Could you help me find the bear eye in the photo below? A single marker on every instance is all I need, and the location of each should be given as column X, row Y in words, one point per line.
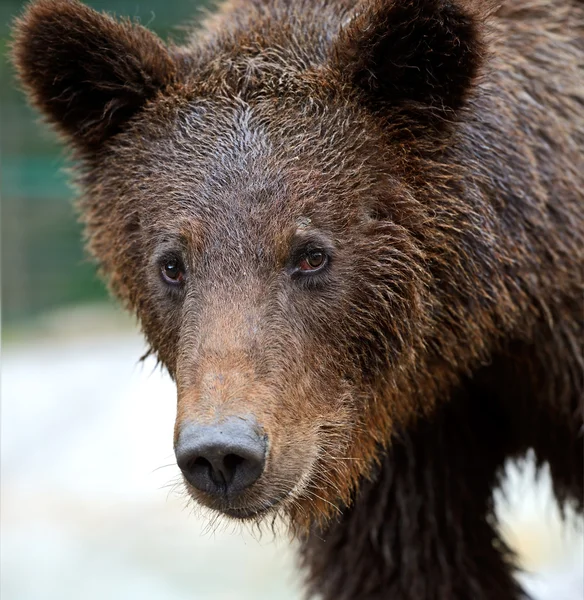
column 172, row 271
column 313, row 261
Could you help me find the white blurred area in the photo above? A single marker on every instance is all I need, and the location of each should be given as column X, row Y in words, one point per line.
column 88, row 510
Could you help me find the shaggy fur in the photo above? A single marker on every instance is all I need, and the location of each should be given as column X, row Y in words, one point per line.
column 434, row 150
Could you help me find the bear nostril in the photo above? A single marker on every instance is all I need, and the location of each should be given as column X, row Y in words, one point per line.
column 200, row 467
column 201, row 462
column 231, row 462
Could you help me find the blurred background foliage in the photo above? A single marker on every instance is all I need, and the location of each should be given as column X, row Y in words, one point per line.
column 43, row 263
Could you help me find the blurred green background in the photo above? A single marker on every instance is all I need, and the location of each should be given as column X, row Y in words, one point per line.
column 43, row 264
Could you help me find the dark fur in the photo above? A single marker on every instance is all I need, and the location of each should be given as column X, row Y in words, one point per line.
column 435, row 150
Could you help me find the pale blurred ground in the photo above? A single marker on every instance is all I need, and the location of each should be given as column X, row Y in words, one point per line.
column 86, row 449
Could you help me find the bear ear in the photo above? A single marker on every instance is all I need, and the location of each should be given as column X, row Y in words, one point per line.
column 413, row 54
column 87, row 73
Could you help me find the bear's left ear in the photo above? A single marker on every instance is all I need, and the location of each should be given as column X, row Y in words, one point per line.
column 417, row 55
column 88, row 73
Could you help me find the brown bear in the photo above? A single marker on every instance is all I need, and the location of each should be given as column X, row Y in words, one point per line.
column 353, row 234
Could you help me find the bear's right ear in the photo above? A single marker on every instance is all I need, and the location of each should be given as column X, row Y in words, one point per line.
column 87, row 73
column 420, row 57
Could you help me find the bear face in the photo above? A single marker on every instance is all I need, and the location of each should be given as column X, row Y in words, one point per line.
column 259, row 295
column 264, row 201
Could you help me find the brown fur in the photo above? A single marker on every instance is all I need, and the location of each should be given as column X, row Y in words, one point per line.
column 435, row 150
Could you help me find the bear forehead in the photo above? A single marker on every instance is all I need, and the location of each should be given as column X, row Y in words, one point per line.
column 208, row 152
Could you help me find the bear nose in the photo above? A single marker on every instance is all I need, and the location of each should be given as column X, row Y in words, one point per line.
column 221, row 458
